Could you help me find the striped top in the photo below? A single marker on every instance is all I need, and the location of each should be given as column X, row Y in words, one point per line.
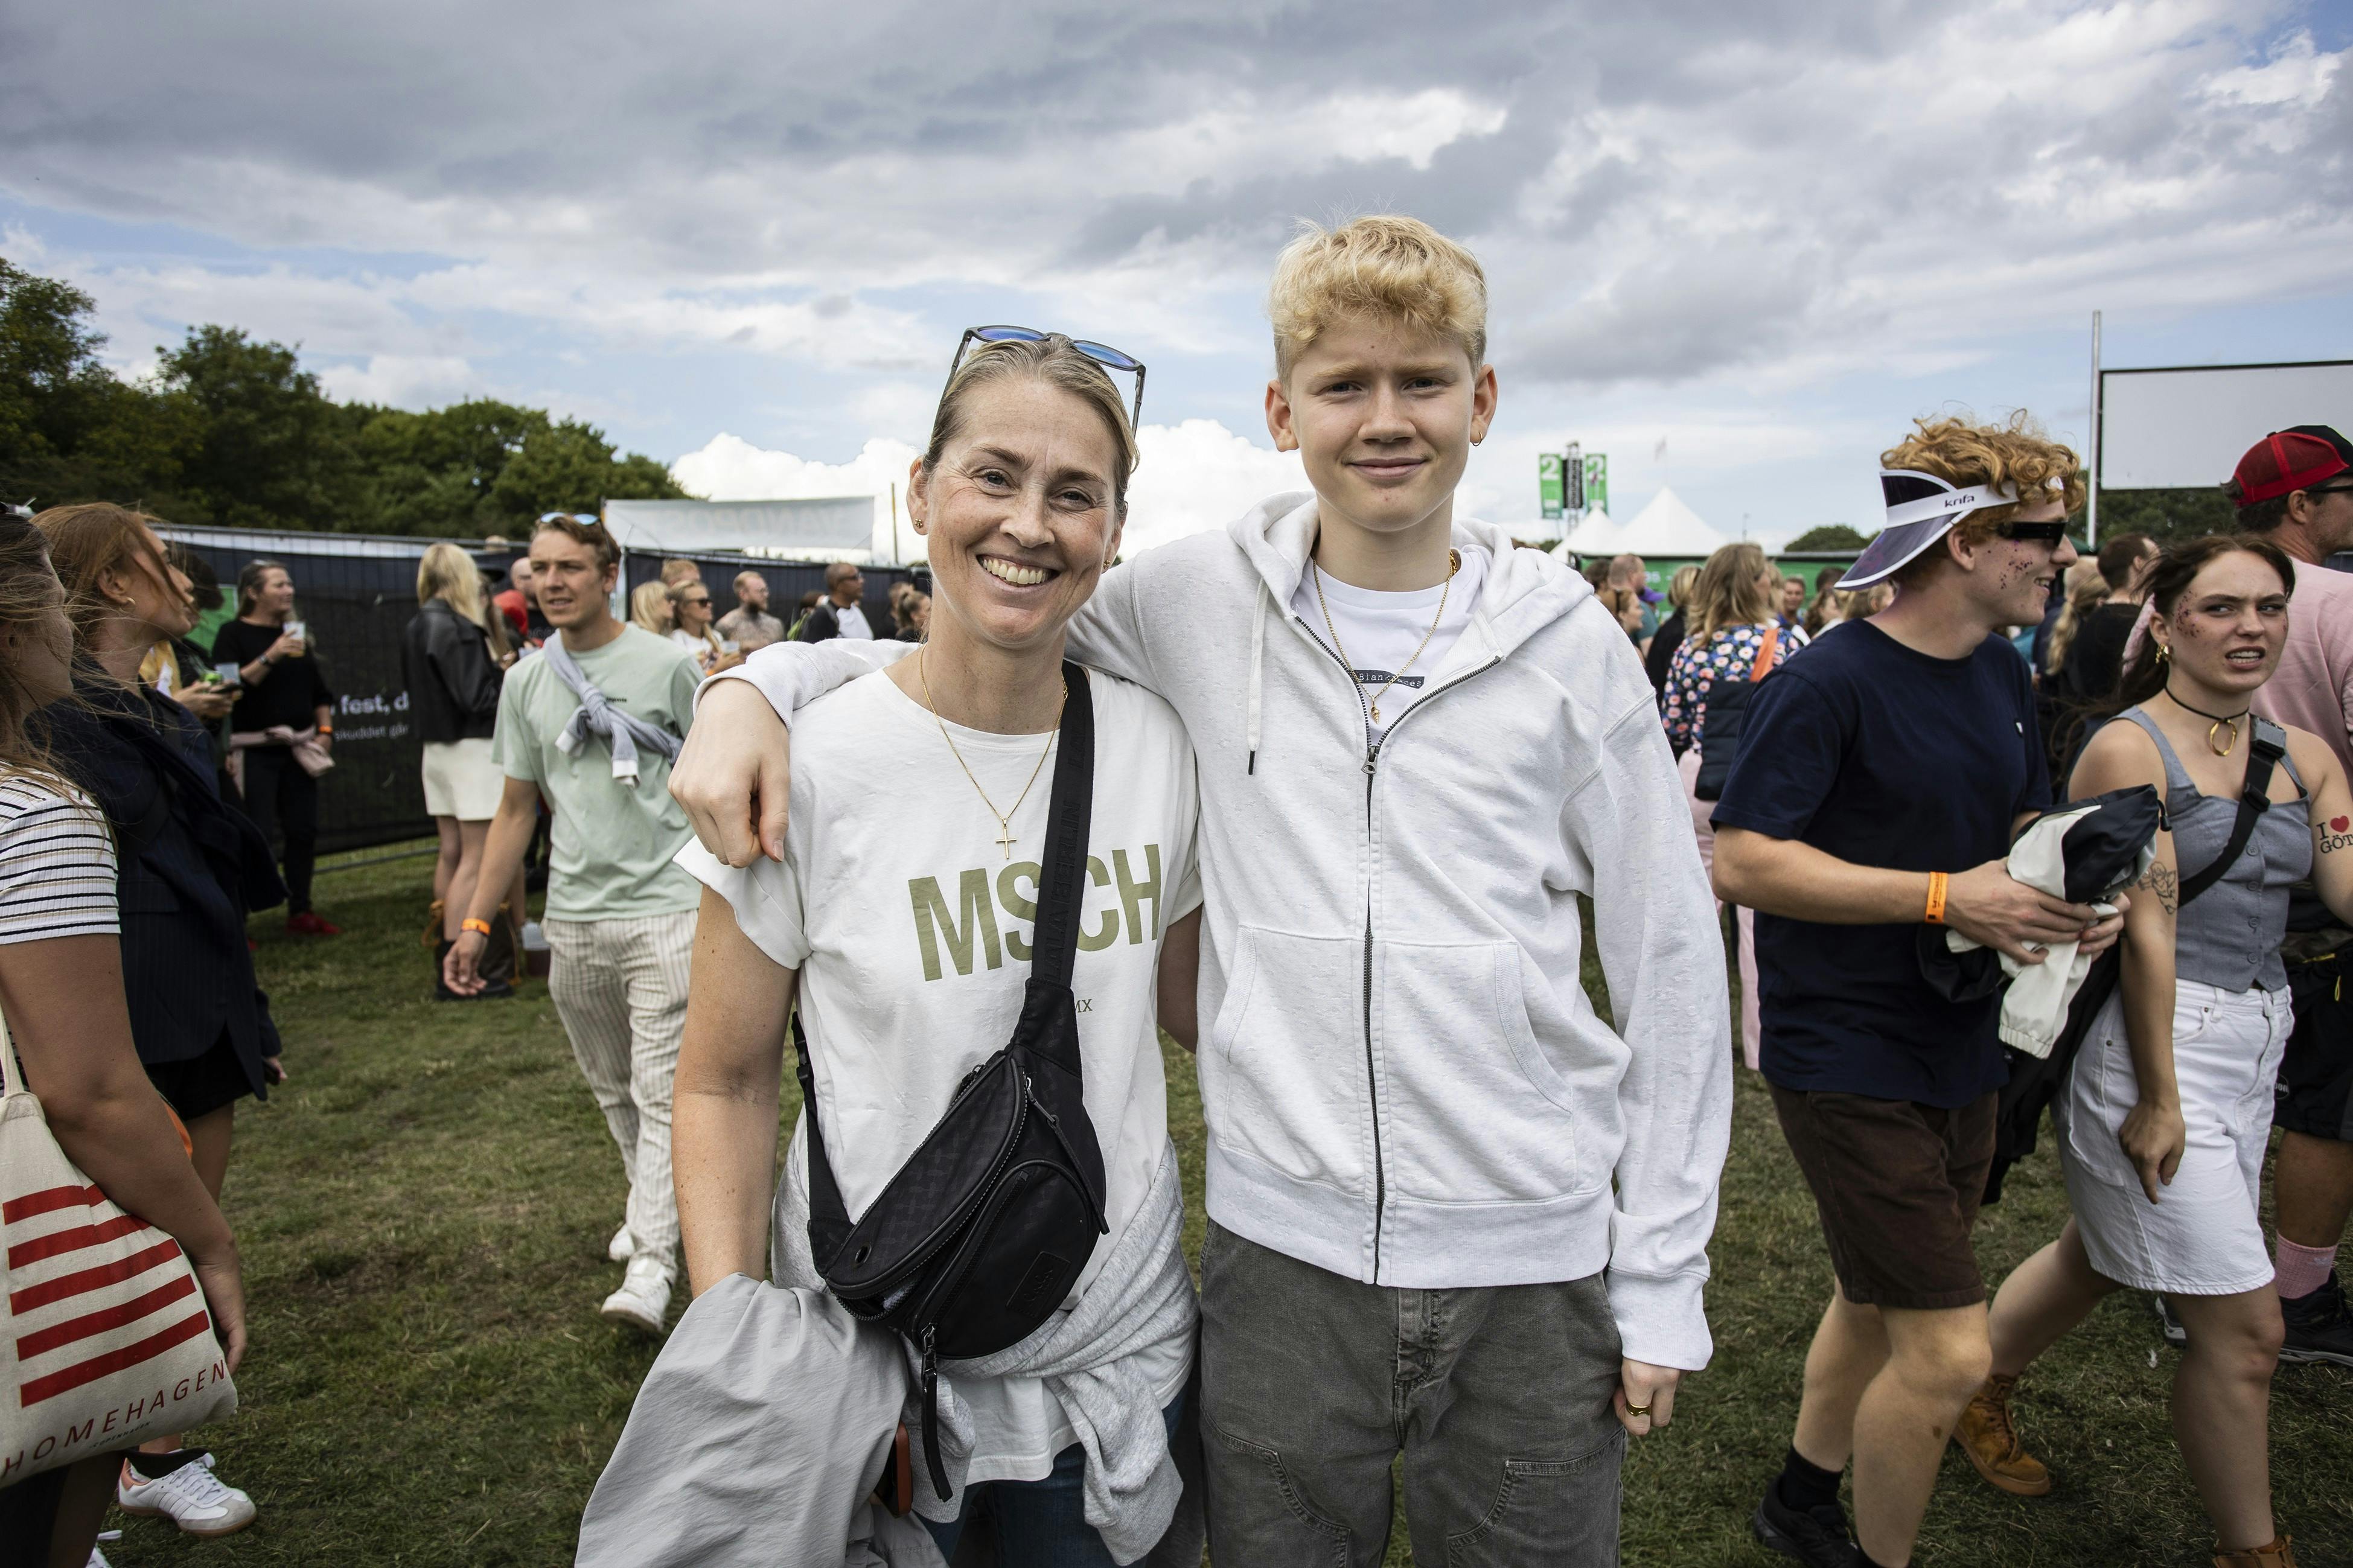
column 57, row 865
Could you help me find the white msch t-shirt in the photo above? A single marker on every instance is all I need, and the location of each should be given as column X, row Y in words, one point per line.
column 1379, row 631
column 910, row 925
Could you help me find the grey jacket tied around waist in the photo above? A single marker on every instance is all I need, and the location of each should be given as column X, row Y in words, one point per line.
column 754, row 1441
column 1136, row 1498
column 624, row 731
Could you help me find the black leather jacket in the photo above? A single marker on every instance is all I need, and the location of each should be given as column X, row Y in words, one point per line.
column 453, row 681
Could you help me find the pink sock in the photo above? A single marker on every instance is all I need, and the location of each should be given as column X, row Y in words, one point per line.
column 2300, row 1269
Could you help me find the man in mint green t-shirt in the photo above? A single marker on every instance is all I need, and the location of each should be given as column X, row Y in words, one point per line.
column 591, row 723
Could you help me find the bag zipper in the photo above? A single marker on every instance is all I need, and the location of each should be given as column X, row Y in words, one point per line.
column 1054, row 1125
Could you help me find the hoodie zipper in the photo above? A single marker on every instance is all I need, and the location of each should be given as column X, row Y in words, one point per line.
column 1373, row 744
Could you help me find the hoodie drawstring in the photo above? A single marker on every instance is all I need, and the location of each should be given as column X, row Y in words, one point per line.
column 1258, row 666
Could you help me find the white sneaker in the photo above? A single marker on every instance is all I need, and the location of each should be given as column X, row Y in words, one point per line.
column 623, row 1247
column 191, row 1497
column 643, row 1299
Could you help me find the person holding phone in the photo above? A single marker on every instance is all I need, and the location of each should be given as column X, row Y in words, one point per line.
column 283, row 727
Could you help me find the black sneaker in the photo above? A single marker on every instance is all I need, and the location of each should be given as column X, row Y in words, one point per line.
column 2319, row 1329
column 1817, row 1536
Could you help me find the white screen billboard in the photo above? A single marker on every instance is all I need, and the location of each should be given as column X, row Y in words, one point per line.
column 2187, row 428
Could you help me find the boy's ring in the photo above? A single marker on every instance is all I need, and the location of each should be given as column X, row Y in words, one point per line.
column 1634, row 1409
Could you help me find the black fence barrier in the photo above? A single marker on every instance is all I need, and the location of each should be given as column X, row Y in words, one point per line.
column 357, row 592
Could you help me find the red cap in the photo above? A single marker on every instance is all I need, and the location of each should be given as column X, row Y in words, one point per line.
column 2288, row 460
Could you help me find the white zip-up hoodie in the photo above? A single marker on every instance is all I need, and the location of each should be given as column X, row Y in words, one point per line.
column 1403, row 1080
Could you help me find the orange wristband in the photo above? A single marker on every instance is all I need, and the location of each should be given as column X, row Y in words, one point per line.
column 469, row 923
column 1936, row 915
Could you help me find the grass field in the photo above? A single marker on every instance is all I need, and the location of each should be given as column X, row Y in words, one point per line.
column 424, row 1208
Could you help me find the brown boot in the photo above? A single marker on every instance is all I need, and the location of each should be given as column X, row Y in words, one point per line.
column 2280, row 1553
column 1989, row 1438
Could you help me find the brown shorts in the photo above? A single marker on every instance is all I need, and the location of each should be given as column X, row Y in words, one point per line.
column 1897, row 1185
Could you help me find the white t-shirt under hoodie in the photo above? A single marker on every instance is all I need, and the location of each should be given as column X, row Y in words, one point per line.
column 910, row 923
column 1379, row 631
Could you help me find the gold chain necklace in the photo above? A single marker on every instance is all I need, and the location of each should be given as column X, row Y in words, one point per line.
column 1373, row 704
column 1004, row 818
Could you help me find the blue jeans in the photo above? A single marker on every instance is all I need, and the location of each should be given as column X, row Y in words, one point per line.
column 1042, row 1523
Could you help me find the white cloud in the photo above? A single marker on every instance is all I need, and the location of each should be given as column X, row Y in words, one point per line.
column 403, row 381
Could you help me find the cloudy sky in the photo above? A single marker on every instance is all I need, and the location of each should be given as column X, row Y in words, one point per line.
column 1735, row 245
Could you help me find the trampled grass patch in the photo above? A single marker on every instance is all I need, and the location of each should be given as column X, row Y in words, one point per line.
column 424, row 1211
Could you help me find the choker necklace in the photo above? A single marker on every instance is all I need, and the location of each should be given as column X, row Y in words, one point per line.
column 2223, row 748
column 1004, row 818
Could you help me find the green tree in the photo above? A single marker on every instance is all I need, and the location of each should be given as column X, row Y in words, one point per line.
column 272, row 452
column 2165, row 515
column 569, row 466
column 1829, row 536
column 69, row 429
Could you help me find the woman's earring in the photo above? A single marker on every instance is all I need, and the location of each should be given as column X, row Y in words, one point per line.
column 2164, row 653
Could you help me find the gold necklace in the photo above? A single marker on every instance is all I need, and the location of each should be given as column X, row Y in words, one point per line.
column 1004, row 818
column 1373, row 704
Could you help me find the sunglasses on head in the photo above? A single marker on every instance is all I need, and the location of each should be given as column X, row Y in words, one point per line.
column 1102, row 353
column 2034, row 532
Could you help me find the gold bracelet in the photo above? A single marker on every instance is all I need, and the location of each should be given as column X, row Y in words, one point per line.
column 1937, row 881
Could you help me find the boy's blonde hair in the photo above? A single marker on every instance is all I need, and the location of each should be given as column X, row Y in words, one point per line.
column 2015, row 452
column 1385, row 265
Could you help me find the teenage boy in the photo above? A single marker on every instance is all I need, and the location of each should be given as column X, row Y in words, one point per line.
column 1880, row 777
column 592, row 721
column 1452, row 1210
column 2295, row 487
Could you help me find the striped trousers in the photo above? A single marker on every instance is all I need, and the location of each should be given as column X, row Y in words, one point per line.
column 619, row 987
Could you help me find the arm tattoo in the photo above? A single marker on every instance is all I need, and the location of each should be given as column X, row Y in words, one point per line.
column 2160, row 880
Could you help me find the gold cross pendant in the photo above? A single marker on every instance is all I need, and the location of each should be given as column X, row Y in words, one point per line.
column 1005, row 838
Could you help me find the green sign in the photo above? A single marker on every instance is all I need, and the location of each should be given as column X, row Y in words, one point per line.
column 1597, row 482
column 1548, row 485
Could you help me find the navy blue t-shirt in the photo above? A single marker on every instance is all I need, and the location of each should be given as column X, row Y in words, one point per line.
column 1883, row 756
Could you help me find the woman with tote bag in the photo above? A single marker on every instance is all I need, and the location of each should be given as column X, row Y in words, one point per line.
column 1014, row 856
column 87, row 1285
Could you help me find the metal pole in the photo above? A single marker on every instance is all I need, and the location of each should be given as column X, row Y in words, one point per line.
column 2092, row 494
column 898, row 557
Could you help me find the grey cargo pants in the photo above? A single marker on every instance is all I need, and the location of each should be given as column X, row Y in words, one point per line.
column 1499, row 1398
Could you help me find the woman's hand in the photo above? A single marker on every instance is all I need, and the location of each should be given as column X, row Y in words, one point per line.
column 221, row 1277
column 287, row 645
column 1644, row 1398
column 206, row 702
column 2153, row 1137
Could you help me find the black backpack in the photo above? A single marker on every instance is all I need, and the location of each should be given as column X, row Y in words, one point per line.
column 977, row 1237
column 1724, row 714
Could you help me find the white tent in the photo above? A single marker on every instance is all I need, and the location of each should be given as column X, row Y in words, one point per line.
column 1596, row 535
column 1669, row 529
column 830, row 525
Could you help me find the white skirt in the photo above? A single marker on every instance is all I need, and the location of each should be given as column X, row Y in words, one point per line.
column 2202, row 1236
column 461, row 781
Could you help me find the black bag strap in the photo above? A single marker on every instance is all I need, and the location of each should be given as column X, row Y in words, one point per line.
column 1070, row 818
column 1062, row 885
column 2268, row 746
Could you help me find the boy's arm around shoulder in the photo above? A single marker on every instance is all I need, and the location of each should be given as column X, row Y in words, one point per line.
column 1655, row 932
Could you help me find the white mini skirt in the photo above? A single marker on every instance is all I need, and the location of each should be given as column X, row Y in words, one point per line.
column 461, row 781
column 2202, row 1236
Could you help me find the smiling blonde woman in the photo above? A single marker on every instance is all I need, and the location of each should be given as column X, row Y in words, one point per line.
column 1021, row 498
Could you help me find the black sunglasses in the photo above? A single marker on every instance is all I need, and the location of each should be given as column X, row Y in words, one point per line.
column 1102, row 353
column 2034, row 532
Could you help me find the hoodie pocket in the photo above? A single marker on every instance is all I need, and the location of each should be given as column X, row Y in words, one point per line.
column 1473, row 1110
column 1284, row 1083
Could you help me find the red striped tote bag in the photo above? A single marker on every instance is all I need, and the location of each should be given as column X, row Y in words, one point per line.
column 105, row 1340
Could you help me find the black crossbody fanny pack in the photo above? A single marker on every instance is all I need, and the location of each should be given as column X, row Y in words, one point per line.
column 977, row 1237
